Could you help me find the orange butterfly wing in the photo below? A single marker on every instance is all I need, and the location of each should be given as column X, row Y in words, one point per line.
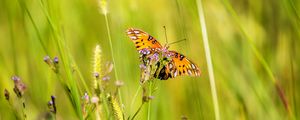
column 178, row 66
column 183, row 66
column 142, row 39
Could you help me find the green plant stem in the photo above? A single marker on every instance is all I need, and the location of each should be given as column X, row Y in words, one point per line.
column 134, row 98
column 23, row 107
column 15, row 111
column 23, row 6
column 105, row 105
column 149, row 102
column 137, row 111
column 81, row 78
column 112, row 53
column 208, row 59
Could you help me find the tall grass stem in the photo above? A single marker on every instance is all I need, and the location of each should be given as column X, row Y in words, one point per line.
column 112, row 52
column 23, row 5
column 208, row 59
column 149, row 102
column 134, row 98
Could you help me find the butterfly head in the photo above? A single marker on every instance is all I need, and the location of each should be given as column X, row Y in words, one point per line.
column 166, row 46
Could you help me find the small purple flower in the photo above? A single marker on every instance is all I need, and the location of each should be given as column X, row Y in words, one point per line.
column 50, row 103
column 96, row 75
column 150, row 97
column 52, row 97
column 55, row 60
column 166, row 53
column 164, row 50
column 46, row 58
column 86, row 97
column 95, row 99
column 144, row 51
column 20, row 87
column 154, row 57
column 106, row 78
column 143, row 66
column 15, row 79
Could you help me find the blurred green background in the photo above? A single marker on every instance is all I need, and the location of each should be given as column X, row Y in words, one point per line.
column 245, row 90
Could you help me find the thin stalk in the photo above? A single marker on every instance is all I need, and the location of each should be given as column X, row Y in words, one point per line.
column 149, row 102
column 137, row 111
column 81, row 78
column 134, row 98
column 105, row 105
column 15, row 111
column 208, row 59
column 23, row 107
column 23, row 6
column 112, row 53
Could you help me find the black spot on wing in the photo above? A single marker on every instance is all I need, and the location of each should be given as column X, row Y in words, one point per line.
column 176, row 55
column 150, row 38
column 181, row 57
column 154, row 41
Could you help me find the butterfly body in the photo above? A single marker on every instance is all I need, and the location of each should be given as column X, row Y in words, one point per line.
column 157, row 60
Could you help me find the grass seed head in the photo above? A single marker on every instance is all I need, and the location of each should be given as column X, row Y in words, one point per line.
column 97, row 66
column 103, row 6
column 116, row 107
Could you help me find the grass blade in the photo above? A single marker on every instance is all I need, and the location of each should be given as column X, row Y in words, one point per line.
column 208, row 59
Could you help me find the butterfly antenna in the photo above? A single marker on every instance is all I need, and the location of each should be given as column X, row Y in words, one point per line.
column 177, row 41
column 165, row 29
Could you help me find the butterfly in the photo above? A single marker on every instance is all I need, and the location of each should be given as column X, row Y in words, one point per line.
column 149, row 48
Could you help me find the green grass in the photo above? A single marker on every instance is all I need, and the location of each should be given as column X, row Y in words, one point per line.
column 253, row 48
